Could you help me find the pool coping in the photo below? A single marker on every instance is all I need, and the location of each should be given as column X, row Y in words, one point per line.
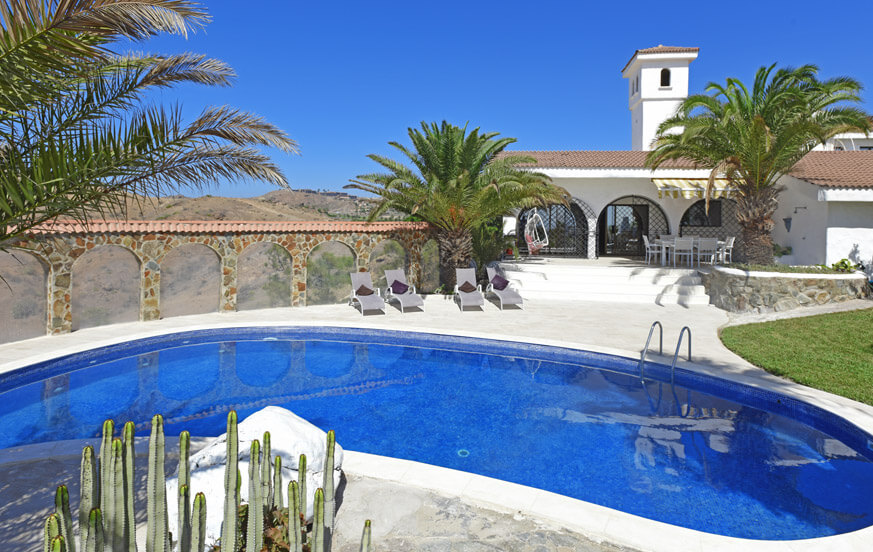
column 599, row 523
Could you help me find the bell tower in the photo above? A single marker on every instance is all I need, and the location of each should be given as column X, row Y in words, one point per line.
column 657, row 84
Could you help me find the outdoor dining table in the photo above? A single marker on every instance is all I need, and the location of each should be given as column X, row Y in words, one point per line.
column 667, row 244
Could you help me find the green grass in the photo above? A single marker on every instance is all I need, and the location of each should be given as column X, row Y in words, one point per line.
column 832, row 352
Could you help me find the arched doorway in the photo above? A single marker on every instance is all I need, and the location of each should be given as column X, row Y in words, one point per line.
column 567, row 228
column 623, row 223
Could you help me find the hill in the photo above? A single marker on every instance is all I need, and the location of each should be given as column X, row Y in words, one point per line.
column 273, row 206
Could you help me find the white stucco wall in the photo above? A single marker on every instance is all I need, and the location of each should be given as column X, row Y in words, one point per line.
column 850, row 233
column 808, row 235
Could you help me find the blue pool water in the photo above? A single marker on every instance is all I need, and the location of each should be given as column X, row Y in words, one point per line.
column 706, row 454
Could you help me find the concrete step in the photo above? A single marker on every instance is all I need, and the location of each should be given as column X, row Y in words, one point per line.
column 618, row 284
column 658, row 299
column 597, row 278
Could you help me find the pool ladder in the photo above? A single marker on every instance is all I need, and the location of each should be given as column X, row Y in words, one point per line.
column 642, row 362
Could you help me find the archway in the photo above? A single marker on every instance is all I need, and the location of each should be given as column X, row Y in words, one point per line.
column 623, row 223
column 264, row 277
column 720, row 222
column 567, row 229
column 387, row 255
column 327, row 273
column 190, row 281
column 106, row 282
column 22, row 296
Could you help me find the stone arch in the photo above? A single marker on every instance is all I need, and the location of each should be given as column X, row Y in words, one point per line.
column 105, row 286
column 23, row 296
column 190, row 280
column 265, row 269
column 327, row 269
column 388, row 254
column 625, row 220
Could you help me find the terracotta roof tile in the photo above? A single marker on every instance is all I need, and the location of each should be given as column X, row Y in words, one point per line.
column 661, row 49
column 221, row 227
column 836, row 169
column 590, row 159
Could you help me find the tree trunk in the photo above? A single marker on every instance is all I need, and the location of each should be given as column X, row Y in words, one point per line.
column 456, row 250
column 755, row 215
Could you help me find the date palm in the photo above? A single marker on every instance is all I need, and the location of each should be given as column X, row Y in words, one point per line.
column 77, row 132
column 754, row 137
column 456, row 182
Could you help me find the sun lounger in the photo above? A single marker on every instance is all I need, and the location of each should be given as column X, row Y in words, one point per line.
column 472, row 296
column 507, row 296
column 396, row 280
column 365, row 293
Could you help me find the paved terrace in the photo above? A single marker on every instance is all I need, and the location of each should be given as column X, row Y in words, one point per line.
column 417, row 507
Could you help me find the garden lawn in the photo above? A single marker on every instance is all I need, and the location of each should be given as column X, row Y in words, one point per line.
column 832, row 352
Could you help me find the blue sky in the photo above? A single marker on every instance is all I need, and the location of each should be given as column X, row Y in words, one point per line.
column 344, row 78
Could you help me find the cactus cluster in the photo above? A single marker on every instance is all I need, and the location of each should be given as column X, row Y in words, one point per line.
column 106, row 508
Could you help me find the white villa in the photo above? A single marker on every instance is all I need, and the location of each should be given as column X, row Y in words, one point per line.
column 825, row 213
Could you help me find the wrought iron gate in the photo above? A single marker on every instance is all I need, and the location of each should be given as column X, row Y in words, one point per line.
column 567, row 228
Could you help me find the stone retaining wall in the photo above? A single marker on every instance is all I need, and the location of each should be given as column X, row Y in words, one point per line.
column 740, row 291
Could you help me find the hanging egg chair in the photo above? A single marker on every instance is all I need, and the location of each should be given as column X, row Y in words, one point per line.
column 535, row 234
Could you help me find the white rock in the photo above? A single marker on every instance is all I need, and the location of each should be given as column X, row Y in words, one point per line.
column 290, row 436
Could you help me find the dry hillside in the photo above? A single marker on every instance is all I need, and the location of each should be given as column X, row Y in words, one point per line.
column 273, row 206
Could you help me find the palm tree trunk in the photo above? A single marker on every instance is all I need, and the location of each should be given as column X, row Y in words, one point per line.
column 456, row 250
column 755, row 215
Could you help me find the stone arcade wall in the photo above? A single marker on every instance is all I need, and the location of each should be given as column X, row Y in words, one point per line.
column 59, row 245
column 739, row 291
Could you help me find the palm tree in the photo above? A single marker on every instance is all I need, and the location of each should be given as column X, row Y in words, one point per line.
column 755, row 137
column 456, row 183
column 77, row 134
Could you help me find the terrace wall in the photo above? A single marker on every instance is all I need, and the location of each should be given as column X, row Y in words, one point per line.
column 59, row 246
column 740, row 291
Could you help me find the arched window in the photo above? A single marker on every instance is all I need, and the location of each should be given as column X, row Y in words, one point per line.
column 665, row 77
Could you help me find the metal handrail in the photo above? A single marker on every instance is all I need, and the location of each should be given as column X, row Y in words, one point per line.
column 646, row 349
column 678, row 346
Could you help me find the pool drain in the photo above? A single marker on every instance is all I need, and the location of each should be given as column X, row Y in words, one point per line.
column 463, row 453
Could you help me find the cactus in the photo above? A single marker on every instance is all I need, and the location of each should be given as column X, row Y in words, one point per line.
column 94, row 537
column 112, row 496
column 295, row 541
column 105, row 459
column 365, row 538
column 51, row 530
column 58, row 544
column 184, row 519
column 278, row 496
column 62, row 510
column 255, row 530
column 266, row 477
column 157, row 536
column 318, row 529
column 301, row 478
column 128, row 459
column 184, row 459
column 231, row 487
column 89, row 488
column 198, row 524
column 327, row 485
column 112, row 528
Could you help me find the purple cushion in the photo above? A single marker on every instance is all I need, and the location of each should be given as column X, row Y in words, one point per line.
column 499, row 282
column 363, row 291
column 467, row 287
column 399, row 287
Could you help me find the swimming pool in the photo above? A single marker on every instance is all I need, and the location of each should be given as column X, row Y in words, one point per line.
column 708, row 454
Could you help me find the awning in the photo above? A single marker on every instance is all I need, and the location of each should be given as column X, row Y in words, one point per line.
column 690, row 188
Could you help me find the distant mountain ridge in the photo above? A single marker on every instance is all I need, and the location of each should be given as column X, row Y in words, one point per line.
column 278, row 205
